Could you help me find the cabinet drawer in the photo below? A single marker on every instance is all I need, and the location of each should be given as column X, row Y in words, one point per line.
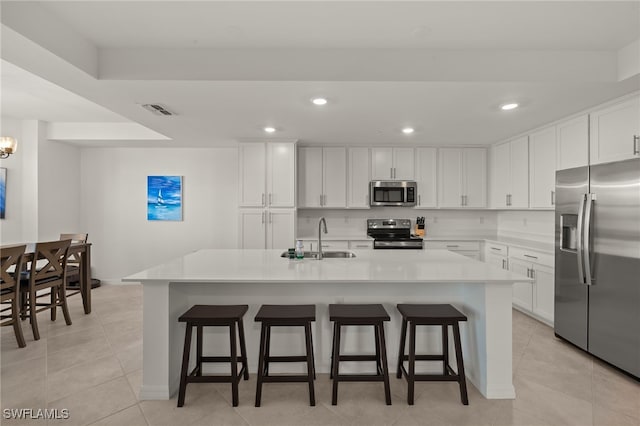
column 496, row 248
column 532, row 256
column 364, row 244
column 334, row 245
column 452, row 245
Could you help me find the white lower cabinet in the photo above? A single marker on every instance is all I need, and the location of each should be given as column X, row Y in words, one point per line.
column 536, row 297
column 267, row 228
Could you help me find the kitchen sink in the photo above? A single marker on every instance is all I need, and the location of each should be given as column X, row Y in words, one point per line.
column 325, row 254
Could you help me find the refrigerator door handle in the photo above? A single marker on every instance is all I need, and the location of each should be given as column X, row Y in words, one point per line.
column 579, row 242
column 586, row 246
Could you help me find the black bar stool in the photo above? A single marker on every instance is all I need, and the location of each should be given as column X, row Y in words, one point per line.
column 214, row 316
column 373, row 315
column 285, row 315
column 444, row 316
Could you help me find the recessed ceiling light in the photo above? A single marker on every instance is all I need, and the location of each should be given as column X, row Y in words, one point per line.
column 319, row 101
column 269, row 129
column 509, row 106
column 407, row 130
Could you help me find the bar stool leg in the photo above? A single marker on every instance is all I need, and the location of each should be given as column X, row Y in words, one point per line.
column 267, row 352
column 199, row 350
column 336, row 363
column 411, row 377
column 260, row 364
column 185, row 365
column 313, row 357
column 378, row 360
column 234, row 364
column 310, row 368
column 333, row 347
column 243, row 349
column 461, row 377
column 385, row 364
column 445, row 348
column 403, row 340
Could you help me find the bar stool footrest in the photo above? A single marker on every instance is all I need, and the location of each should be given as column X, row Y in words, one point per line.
column 360, row 378
column 426, row 358
column 357, row 358
column 285, row 379
column 452, row 376
column 220, row 359
column 300, row 358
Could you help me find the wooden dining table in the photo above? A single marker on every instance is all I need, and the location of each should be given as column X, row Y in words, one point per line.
column 83, row 250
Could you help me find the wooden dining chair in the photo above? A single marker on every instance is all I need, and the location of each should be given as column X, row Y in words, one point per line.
column 73, row 263
column 48, row 271
column 10, row 268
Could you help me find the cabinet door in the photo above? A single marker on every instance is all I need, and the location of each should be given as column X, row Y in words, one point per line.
column 475, row 177
column 522, row 292
column 281, row 174
column 364, row 244
column 543, row 302
column 613, row 130
column 381, row 163
column 496, row 260
column 542, row 168
column 404, row 164
column 573, row 143
column 281, row 228
column 252, row 160
column 358, row 178
column 309, row 177
column 450, row 177
column 334, row 174
column 520, row 173
column 252, row 228
column 501, row 174
column 426, row 160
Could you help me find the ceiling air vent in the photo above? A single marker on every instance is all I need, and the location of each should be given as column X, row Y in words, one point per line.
column 157, row 109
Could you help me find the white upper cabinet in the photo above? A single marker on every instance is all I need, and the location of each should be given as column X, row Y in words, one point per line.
column 511, row 174
column 542, row 168
column 572, row 145
column 615, row 132
column 252, row 167
column 281, row 174
column 359, row 175
column 462, row 177
column 322, row 177
column 309, row 177
column 267, row 174
column 334, row 177
column 426, row 175
column 392, row 164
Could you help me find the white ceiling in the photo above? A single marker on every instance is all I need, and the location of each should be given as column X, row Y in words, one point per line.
column 230, row 68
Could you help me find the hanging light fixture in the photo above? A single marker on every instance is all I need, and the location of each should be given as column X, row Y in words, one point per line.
column 8, row 146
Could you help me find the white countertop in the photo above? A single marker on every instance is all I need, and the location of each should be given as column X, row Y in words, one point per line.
column 383, row 266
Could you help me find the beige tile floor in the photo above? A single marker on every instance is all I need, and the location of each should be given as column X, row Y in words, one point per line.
column 93, row 369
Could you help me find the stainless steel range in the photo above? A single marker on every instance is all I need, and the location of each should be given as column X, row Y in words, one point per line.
column 392, row 234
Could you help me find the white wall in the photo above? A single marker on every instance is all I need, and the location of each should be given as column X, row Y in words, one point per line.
column 476, row 223
column 58, row 189
column 114, row 202
column 11, row 225
column 533, row 225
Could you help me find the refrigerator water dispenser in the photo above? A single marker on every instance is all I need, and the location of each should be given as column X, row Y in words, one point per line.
column 569, row 232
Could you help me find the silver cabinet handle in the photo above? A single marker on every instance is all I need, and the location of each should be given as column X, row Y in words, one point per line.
column 270, row 198
column 395, row 173
column 262, row 217
column 466, row 200
column 553, row 198
column 531, row 257
column 452, row 246
column 533, row 274
column 503, row 264
column 419, row 202
column 362, row 246
column 391, row 173
column 263, row 199
column 270, row 217
column 495, row 248
column 320, row 199
column 529, row 273
column 506, row 199
column 636, row 145
column 462, row 200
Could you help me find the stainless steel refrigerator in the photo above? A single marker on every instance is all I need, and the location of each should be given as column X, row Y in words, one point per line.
column 597, row 286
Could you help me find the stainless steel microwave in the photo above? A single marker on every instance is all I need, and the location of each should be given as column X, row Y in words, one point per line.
column 392, row 193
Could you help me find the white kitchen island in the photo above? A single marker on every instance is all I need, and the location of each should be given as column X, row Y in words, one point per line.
column 255, row 277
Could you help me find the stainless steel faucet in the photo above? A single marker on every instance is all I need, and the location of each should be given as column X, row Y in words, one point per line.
column 321, row 222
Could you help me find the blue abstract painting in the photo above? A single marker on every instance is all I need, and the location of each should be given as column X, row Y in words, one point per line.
column 3, row 191
column 164, row 197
